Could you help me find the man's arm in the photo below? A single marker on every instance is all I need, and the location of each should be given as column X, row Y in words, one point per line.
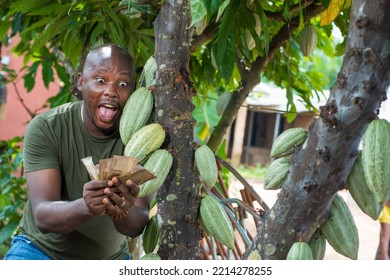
column 53, row 215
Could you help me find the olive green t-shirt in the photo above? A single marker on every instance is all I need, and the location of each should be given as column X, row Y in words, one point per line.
column 58, row 139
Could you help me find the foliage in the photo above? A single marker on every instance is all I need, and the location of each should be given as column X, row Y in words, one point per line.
column 55, row 35
column 13, row 192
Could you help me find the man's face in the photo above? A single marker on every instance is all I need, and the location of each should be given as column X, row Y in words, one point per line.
column 106, row 84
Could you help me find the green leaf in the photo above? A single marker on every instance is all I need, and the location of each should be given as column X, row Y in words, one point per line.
column 73, row 45
column 4, row 28
column 25, row 7
column 54, row 27
column 29, row 78
column 198, row 11
column 47, row 73
column 222, row 8
column 7, row 231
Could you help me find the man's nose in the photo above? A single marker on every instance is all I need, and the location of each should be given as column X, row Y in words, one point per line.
column 111, row 89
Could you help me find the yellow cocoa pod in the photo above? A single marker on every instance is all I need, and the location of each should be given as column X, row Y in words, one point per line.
column 300, row 251
column 206, row 165
column 216, row 221
column 340, row 229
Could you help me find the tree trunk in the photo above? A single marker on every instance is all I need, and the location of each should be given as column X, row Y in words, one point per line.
column 177, row 199
column 320, row 169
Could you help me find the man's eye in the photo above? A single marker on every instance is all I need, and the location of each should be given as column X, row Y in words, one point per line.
column 100, row 80
column 123, row 84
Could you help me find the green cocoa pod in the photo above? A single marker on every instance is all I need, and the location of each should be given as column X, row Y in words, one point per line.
column 376, row 158
column 361, row 193
column 206, row 165
column 317, row 244
column 308, row 40
column 159, row 163
column 147, row 77
column 276, row 173
column 340, row 229
column 145, row 141
column 136, row 113
column 216, row 221
column 150, row 256
column 300, row 251
column 287, row 141
column 150, row 235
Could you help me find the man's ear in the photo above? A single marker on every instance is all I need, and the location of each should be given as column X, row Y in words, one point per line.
column 80, row 82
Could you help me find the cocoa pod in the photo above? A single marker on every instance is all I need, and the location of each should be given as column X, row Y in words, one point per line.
column 206, row 165
column 216, row 221
column 150, row 235
column 287, row 141
column 159, row 163
column 276, row 173
column 136, row 113
column 308, row 40
column 376, row 158
column 340, row 229
column 317, row 244
column 146, row 140
column 360, row 191
column 300, row 251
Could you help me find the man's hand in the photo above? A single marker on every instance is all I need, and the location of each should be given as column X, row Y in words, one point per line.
column 94, row 196
column 120, row 198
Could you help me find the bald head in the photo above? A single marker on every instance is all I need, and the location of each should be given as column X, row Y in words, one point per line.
column 109, row 52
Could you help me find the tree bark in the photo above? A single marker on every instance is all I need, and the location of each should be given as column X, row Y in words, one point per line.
column 177, row 199
column 320, row 169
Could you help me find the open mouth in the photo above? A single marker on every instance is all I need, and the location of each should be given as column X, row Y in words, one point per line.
column 107, row 112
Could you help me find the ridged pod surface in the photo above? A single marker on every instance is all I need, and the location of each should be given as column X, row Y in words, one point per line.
column 300, row 251
column 206, row 165
column 160, row 163
column 317, row 244
column 376, row 158
column 340, row 229
column 361, row 193
column 216, row 221
column 136, row 113
column 147, row 77
column 146, row 140
column 276, row 173
column 308, row 40
column 150, row 235
column 150, row 256
column 287, row 141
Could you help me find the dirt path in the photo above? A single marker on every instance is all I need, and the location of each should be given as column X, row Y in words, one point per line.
column 368, row 228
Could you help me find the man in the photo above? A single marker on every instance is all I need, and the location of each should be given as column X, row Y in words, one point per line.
column 69, row 216
column 383, row 252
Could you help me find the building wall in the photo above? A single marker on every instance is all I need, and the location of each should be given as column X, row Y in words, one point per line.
column 16, row 116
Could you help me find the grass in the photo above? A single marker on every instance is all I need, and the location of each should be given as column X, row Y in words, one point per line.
column 252, row 172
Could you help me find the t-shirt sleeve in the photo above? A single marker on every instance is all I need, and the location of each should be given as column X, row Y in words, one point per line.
column 40, row 148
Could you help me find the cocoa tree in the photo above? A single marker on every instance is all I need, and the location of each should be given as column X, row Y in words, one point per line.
column 218, row 56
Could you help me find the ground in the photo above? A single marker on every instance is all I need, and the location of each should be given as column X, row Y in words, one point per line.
column 368, row 228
